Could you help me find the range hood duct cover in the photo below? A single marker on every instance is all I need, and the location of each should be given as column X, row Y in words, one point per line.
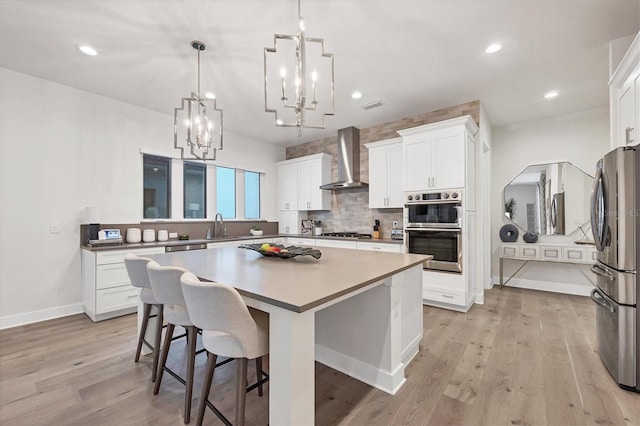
column 348, row 161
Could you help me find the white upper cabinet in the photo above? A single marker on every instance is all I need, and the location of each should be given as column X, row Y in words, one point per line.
column 624, row 90
column 385, row 174
column 299, row 182
column 287, row 186
column 435, row 156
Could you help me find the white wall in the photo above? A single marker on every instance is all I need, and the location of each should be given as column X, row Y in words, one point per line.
column 62, row 149
column 582, row 139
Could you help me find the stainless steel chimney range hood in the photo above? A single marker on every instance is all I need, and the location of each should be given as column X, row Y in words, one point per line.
column 348, row 161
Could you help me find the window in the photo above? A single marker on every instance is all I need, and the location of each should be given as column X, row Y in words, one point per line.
column 156, row 184
column 195, row 189
column 251, row 195
column 226, row 192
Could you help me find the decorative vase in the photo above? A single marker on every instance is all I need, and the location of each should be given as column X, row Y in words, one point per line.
column 530, row 237
column 509, row 234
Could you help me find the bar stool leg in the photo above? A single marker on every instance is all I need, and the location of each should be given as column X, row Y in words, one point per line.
column 156, row 344
column 259, row 373
column 143, row 329
column 241, row 390
column 163, row 357
column 192, row 336
column 206, row 386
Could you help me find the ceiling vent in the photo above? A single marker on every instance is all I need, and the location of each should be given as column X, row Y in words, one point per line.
column 371, row 105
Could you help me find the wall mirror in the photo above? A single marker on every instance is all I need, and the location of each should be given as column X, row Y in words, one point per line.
column 549, row 199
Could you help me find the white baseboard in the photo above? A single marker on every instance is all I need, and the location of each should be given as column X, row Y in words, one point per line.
column 554, row 287
column 479, row 298
column 10, row 321
column 411, row 350
column 383, row 380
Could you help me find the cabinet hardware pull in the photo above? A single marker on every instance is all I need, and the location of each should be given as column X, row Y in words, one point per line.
column 447, row 296
column 627, row 135
column 131, row 297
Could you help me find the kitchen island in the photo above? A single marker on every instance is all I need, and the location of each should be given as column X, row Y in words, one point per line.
column 355, row 311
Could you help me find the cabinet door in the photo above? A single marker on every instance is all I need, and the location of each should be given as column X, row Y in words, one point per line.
column 304, row 184
column 318, row 198
column 627, row 116
column 378, row 177
column 287, row 187
column 417, row 164
column 395, row 195
column 288, row 222
column 448, row 159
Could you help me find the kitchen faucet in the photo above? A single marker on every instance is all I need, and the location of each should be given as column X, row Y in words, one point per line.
column 218, row 231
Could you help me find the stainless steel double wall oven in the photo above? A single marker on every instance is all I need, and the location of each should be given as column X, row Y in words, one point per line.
column 615, row 207
column 433, row 225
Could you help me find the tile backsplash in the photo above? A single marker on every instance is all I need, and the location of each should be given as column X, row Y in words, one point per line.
column 350, row 212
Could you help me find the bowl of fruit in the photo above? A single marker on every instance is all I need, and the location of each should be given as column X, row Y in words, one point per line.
column 280, row 251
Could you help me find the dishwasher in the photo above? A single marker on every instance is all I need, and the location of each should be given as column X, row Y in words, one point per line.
column 185, row 247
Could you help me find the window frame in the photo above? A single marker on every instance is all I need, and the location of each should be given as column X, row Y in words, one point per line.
column 203, row 167
column 164, row 161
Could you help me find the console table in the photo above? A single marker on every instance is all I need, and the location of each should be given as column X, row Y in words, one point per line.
column 570, row 253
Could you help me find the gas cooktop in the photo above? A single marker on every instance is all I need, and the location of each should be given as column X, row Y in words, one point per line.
column 346, row 235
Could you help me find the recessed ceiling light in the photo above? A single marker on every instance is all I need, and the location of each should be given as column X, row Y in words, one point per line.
column 550, row 95
column 356, row 95
column 86, row 49
column 210, row 95
column 279, row 122
column 493, row 48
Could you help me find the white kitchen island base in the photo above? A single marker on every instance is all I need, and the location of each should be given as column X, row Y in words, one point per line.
column 357, row 312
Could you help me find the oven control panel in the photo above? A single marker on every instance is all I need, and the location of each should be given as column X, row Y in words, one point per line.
column 414, row 197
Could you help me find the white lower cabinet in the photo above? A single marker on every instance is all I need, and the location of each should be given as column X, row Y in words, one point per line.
column 446, row 290
column 276, row 240
column 106, row 289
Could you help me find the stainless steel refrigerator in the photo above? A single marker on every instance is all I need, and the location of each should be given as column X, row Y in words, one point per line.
column 615, row 207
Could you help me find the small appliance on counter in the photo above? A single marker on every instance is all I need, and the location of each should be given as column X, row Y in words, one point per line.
column 396, row 233
column 107, row 237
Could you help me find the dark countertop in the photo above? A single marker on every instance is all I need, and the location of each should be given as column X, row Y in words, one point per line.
column 175, row 242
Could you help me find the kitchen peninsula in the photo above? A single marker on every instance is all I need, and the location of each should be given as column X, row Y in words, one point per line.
column 359, row 312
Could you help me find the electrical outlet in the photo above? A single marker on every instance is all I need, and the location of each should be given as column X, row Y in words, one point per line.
column 173, row 235
column 54, row 228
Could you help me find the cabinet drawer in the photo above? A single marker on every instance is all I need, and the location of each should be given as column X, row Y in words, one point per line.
column 337, row 244
column 117, row 256
column 112, row 275
column 391, row 248
column 292, row 241
column 446, row 296
column 114, row 299
column 551, row 253
column 574, row 254
column 527, row 252
column 277, row 240
column 509, row 251
column 592, row 255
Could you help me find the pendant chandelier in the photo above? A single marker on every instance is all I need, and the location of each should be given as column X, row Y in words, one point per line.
column 197, row 123
column 291, row 103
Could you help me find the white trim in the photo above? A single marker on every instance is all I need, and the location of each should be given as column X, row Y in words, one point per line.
column 554, row 287
column 388, row 382
column 479, row 298
column 10, row 321
column 161, row 153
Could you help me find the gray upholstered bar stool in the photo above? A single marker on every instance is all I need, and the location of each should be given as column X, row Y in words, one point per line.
column 165, row 282
column 229, row 329
column 137, row 270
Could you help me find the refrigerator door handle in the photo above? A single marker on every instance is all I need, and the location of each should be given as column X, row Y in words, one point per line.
column 598, row 215
column 600, row 300
column 599, row 270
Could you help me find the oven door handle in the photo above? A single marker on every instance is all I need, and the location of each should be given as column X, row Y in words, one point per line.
column 458, row 230
column 600, row 300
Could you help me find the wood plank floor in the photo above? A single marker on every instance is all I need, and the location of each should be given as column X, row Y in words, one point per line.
column 523, row 358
